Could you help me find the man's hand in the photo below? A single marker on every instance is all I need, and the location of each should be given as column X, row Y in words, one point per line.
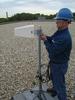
column 43, row 37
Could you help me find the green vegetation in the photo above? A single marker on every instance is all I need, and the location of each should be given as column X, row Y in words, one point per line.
column 3, row 20
column 27, row 16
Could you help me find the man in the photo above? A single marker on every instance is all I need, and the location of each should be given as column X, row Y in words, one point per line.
column 59, row 46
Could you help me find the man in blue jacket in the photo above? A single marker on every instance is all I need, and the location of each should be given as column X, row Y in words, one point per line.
column 59, row 47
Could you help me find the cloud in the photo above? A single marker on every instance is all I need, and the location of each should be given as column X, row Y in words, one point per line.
column 36, row 6
column 2, row 1
column 48, row 4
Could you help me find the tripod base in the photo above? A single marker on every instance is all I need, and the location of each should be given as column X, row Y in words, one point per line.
column 33, row 94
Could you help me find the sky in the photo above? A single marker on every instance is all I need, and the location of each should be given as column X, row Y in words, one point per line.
column 34, row 6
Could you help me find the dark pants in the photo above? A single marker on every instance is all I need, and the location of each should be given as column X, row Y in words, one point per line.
column 58, row 72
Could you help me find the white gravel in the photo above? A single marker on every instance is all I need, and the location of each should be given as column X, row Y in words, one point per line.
column 18, row 60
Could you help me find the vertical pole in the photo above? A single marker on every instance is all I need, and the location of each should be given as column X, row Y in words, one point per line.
column 7, row 15
column 39, row 56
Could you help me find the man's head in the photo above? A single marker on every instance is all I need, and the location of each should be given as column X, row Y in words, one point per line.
column 63, row 18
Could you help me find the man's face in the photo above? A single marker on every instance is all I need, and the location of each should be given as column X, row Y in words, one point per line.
column 61, row 24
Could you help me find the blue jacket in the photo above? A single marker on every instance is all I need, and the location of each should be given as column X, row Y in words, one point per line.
column 59, row 46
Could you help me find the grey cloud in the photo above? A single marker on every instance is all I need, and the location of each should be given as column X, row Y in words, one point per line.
column 47, row 4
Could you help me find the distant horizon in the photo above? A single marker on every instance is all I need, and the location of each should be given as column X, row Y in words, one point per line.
column 24, row 12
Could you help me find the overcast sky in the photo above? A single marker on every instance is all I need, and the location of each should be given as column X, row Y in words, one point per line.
column 34, row 6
